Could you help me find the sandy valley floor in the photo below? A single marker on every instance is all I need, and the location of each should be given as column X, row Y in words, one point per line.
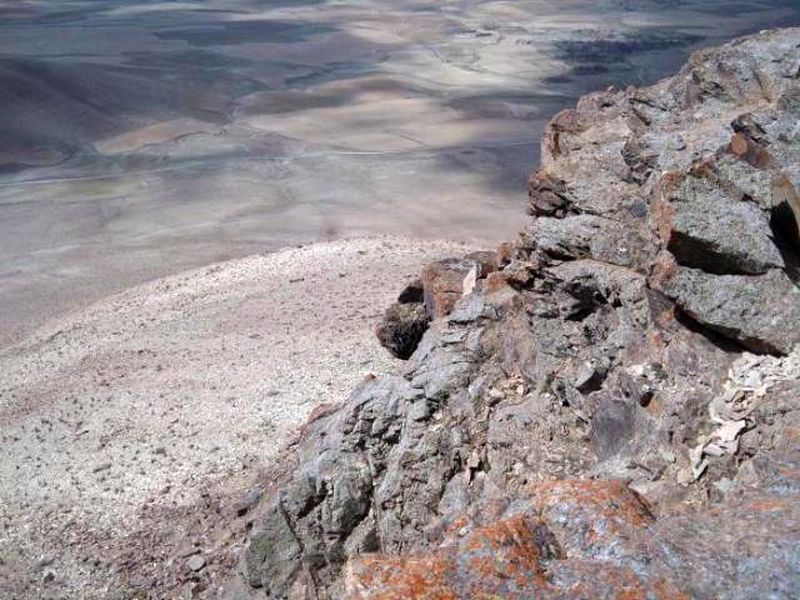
column 143, row 138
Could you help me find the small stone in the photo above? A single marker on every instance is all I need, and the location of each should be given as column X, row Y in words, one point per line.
column 421, row 410
column 470, row 281
column 474, row 460
column 45, row 561
column 196, row 562
column 668, row 455
column 589, row 378
column 739, row 144
column 496, row 394
column 724, row 485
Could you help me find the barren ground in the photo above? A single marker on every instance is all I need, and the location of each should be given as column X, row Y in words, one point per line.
column 126, row 426
column 141, row 139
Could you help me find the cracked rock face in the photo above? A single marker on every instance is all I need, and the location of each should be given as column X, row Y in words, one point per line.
column 613, row 410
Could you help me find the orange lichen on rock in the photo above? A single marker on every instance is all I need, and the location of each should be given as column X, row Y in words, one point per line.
column 584, row 579
column 379, row 577
column 513, row 557
column 609, row 499
column 503, row 559
column 506, row 552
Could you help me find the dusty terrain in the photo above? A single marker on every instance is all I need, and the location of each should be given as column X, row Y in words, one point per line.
column 141, row 139
column 164, row 399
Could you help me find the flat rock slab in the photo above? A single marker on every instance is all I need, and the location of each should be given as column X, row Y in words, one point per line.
column 761, row 312
column 708, row 228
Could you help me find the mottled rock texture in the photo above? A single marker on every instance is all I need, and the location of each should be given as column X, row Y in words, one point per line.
column 591, row 419
column 402, row 328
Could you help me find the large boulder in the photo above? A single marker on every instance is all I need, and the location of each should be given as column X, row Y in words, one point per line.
column 712, row 229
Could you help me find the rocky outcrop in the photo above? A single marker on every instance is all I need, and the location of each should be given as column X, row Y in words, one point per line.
column 611, row 410
column 442, row 284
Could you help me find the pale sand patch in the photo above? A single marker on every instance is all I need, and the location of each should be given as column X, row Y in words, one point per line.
column 182, row 385
column 157, row 133
column 385, row 122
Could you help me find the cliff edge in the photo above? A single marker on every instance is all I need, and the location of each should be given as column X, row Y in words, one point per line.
column 607, row 407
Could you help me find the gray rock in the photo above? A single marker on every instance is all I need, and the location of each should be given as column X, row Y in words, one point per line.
column 707, row 228
column 196, row 562
column 548, row 196
column 613, row 423
column 45, row 561
column 242, row 506
column 271, row 559
column 589, row 377
column 589, row 236
column 760, row 312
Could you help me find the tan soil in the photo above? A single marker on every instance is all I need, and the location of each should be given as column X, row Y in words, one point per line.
column 126, row 426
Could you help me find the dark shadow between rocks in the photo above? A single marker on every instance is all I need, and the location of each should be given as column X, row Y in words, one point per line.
column 715, row 337
column 787, row 238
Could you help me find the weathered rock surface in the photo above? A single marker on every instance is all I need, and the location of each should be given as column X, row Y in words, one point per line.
column 446, row 281
column 757, row 311
column 612, row 411
column 402, row 328
column 707, row 228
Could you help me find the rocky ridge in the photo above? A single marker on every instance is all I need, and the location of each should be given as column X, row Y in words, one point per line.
column 608, row 406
